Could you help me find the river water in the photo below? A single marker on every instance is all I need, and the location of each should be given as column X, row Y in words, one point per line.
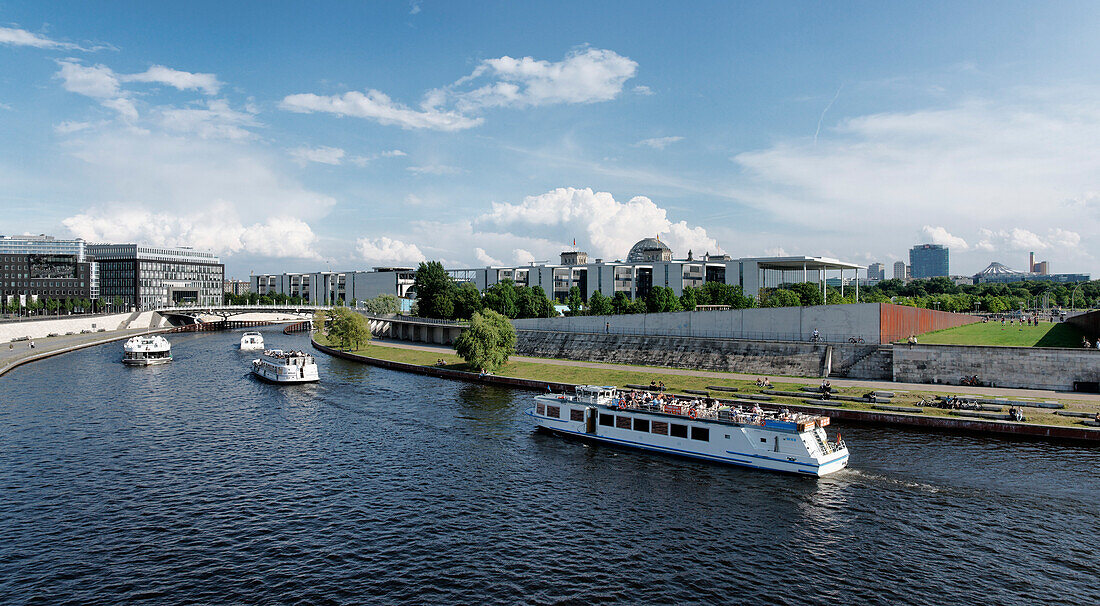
column 193, row 483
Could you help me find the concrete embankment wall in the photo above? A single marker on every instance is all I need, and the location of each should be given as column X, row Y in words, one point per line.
column 726, row 355
column 38, row 329
column 1089, row 323
column 1026, row 367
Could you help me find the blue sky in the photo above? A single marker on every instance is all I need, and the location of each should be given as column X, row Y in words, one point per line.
column 291, row 137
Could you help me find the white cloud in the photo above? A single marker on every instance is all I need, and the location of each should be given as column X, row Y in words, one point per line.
column 587, row 75
column 484, row 257
column 939, row 235
column 216, row 121
column 375, row 105
column 434, row 169
column 21, row 37
column 643, row 90
column 71, row 126
column 97, row 81
column 393, row 153
column 207, row 83
column 414, row 7
column 387, row 250
column 1018, row 239
column 321, row 155
column 522, row 257
column 601, row 224
column 413, row 200
column 658, row 142
column 365, row 160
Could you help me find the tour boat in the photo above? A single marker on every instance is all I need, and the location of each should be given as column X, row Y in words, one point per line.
column 703, row 429
column 146, row 350
column 278, row 366
column 252, row 341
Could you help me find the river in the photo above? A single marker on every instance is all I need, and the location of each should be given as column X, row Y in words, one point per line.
column 194, row 483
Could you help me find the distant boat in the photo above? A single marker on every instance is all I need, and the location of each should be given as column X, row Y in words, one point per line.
column 278, row 366
column 147, row 350
column 252, row 341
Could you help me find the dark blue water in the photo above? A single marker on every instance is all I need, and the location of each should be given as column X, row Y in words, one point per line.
column 193, row 483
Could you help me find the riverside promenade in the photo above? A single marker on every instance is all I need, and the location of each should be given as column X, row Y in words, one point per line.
column 18, row 353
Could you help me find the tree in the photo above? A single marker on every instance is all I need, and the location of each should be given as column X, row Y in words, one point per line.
column 502, row 298
column 662, row 299
column 808, row 293
column 467, row 301
column 488, row 341
column 118, row 304
column 574, row 301
column 434, row 291
column 599, row 305
column 386, row 304
column 688, row 299
column 348, row 328
column 780, row 297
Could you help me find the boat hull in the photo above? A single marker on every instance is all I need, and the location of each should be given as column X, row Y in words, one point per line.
column 732, row 448
column 146, row 362
column 284, row 380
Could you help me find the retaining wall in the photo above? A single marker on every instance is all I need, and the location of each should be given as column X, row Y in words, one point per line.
column 1027, row 367
column 38, row 329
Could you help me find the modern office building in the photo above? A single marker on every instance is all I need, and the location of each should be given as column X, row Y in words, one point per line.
column 32, row 277
column 649, row 263
column 147, row 277
column 236, row 287
column 928, row 261
column 901, row 271
column 876, row 271
column 49, row 245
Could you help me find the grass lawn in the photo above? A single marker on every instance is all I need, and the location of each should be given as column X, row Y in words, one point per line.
column 1058, row 334
column 583, row 375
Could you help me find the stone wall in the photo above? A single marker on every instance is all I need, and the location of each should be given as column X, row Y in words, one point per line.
column 725, row 355
column 39, row 328
column 1027, row 367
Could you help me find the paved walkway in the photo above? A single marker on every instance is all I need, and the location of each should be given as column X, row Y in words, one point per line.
column 1038, row 394
column 20, row 352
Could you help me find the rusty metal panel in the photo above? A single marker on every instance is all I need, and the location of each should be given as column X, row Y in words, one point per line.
column 899, row 321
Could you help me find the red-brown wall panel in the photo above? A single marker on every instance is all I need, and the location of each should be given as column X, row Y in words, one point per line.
column 899, row 321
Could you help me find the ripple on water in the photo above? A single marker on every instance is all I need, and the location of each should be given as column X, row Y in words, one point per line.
column 192, row 483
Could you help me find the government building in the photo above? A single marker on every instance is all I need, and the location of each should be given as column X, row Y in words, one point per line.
column 647, row 264
column 148, row 277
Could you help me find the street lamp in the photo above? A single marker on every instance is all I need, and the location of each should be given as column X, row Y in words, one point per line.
column 1073, row 296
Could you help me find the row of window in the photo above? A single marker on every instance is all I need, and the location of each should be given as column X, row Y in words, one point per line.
column 664, row 428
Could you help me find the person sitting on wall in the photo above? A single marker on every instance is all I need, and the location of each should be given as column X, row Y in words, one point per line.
column 767, row 383
column 653, row 385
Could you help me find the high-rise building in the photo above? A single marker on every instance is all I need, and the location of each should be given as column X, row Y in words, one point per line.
column 147, row 277
column 49, row 245
column 901, row 271
column 928, row 261
column 876, row 271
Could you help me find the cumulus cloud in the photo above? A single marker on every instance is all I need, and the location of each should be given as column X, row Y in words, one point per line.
column 20, row 37
column 321, row 155
column 586, row 75
column 96, row 81
column 215, row 120
column 484, row 258
column 376, row 105
column 159, row 74
column 522, row 257
column 388, row 250
column 604, row 225
column 1018, row 239
column 939, row 235
column 658, row 142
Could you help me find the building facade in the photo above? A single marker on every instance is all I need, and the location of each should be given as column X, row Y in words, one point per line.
column 901, row 271
column 49, row 245
column 319, row 288
column 33, row 277
column 148, row 277
column 236, row 287
column 876, row 271
column 928, row 261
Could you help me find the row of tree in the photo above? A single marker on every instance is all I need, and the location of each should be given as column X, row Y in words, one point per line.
column 73, row 305
column 382, row 304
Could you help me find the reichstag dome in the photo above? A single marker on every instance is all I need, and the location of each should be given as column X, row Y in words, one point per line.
column 649, row 250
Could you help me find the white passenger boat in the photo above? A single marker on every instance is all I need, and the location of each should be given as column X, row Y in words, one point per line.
column 775, row 440
column 252, row 341
column 278, row 366
column 146, row 350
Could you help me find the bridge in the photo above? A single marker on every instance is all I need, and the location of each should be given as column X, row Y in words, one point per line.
column 411, row 328
column 191, row 313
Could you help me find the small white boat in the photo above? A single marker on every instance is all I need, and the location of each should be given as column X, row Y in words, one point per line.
column 147, row 350
column 278, row 366
column 775, row 440
column 252, row 341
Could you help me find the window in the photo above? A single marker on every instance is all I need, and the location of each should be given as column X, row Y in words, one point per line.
column 764, row 440
column 553, row 411
column 660, row 427
column 607, row 420
column 576, row 414
column 541, row 408
column 678, row 431
column 700, row 433
column 622, row 422
column 641, row 425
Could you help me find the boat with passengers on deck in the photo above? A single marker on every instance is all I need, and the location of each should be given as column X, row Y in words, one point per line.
column 703, row 428
column 146, row 350
column 278, row 366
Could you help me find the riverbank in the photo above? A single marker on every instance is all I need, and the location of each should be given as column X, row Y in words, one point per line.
column 561, row 375
column 21, row 353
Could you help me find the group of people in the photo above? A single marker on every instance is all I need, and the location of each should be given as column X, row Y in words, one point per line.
column 826, row 390
column 1088, row 344
column 657, row 385
column 763, row 382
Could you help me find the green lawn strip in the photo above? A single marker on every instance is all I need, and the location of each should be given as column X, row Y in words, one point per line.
column 1011, row 335
column 583, row 375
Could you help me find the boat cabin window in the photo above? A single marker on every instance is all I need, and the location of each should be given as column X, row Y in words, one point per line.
column 607, row 420
column 622, row 422
column 641, row 424
column 541, row 408
column 660, row 427
column 700, row 433
column 553, row 411
column 678, row 431
column 576, row 414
